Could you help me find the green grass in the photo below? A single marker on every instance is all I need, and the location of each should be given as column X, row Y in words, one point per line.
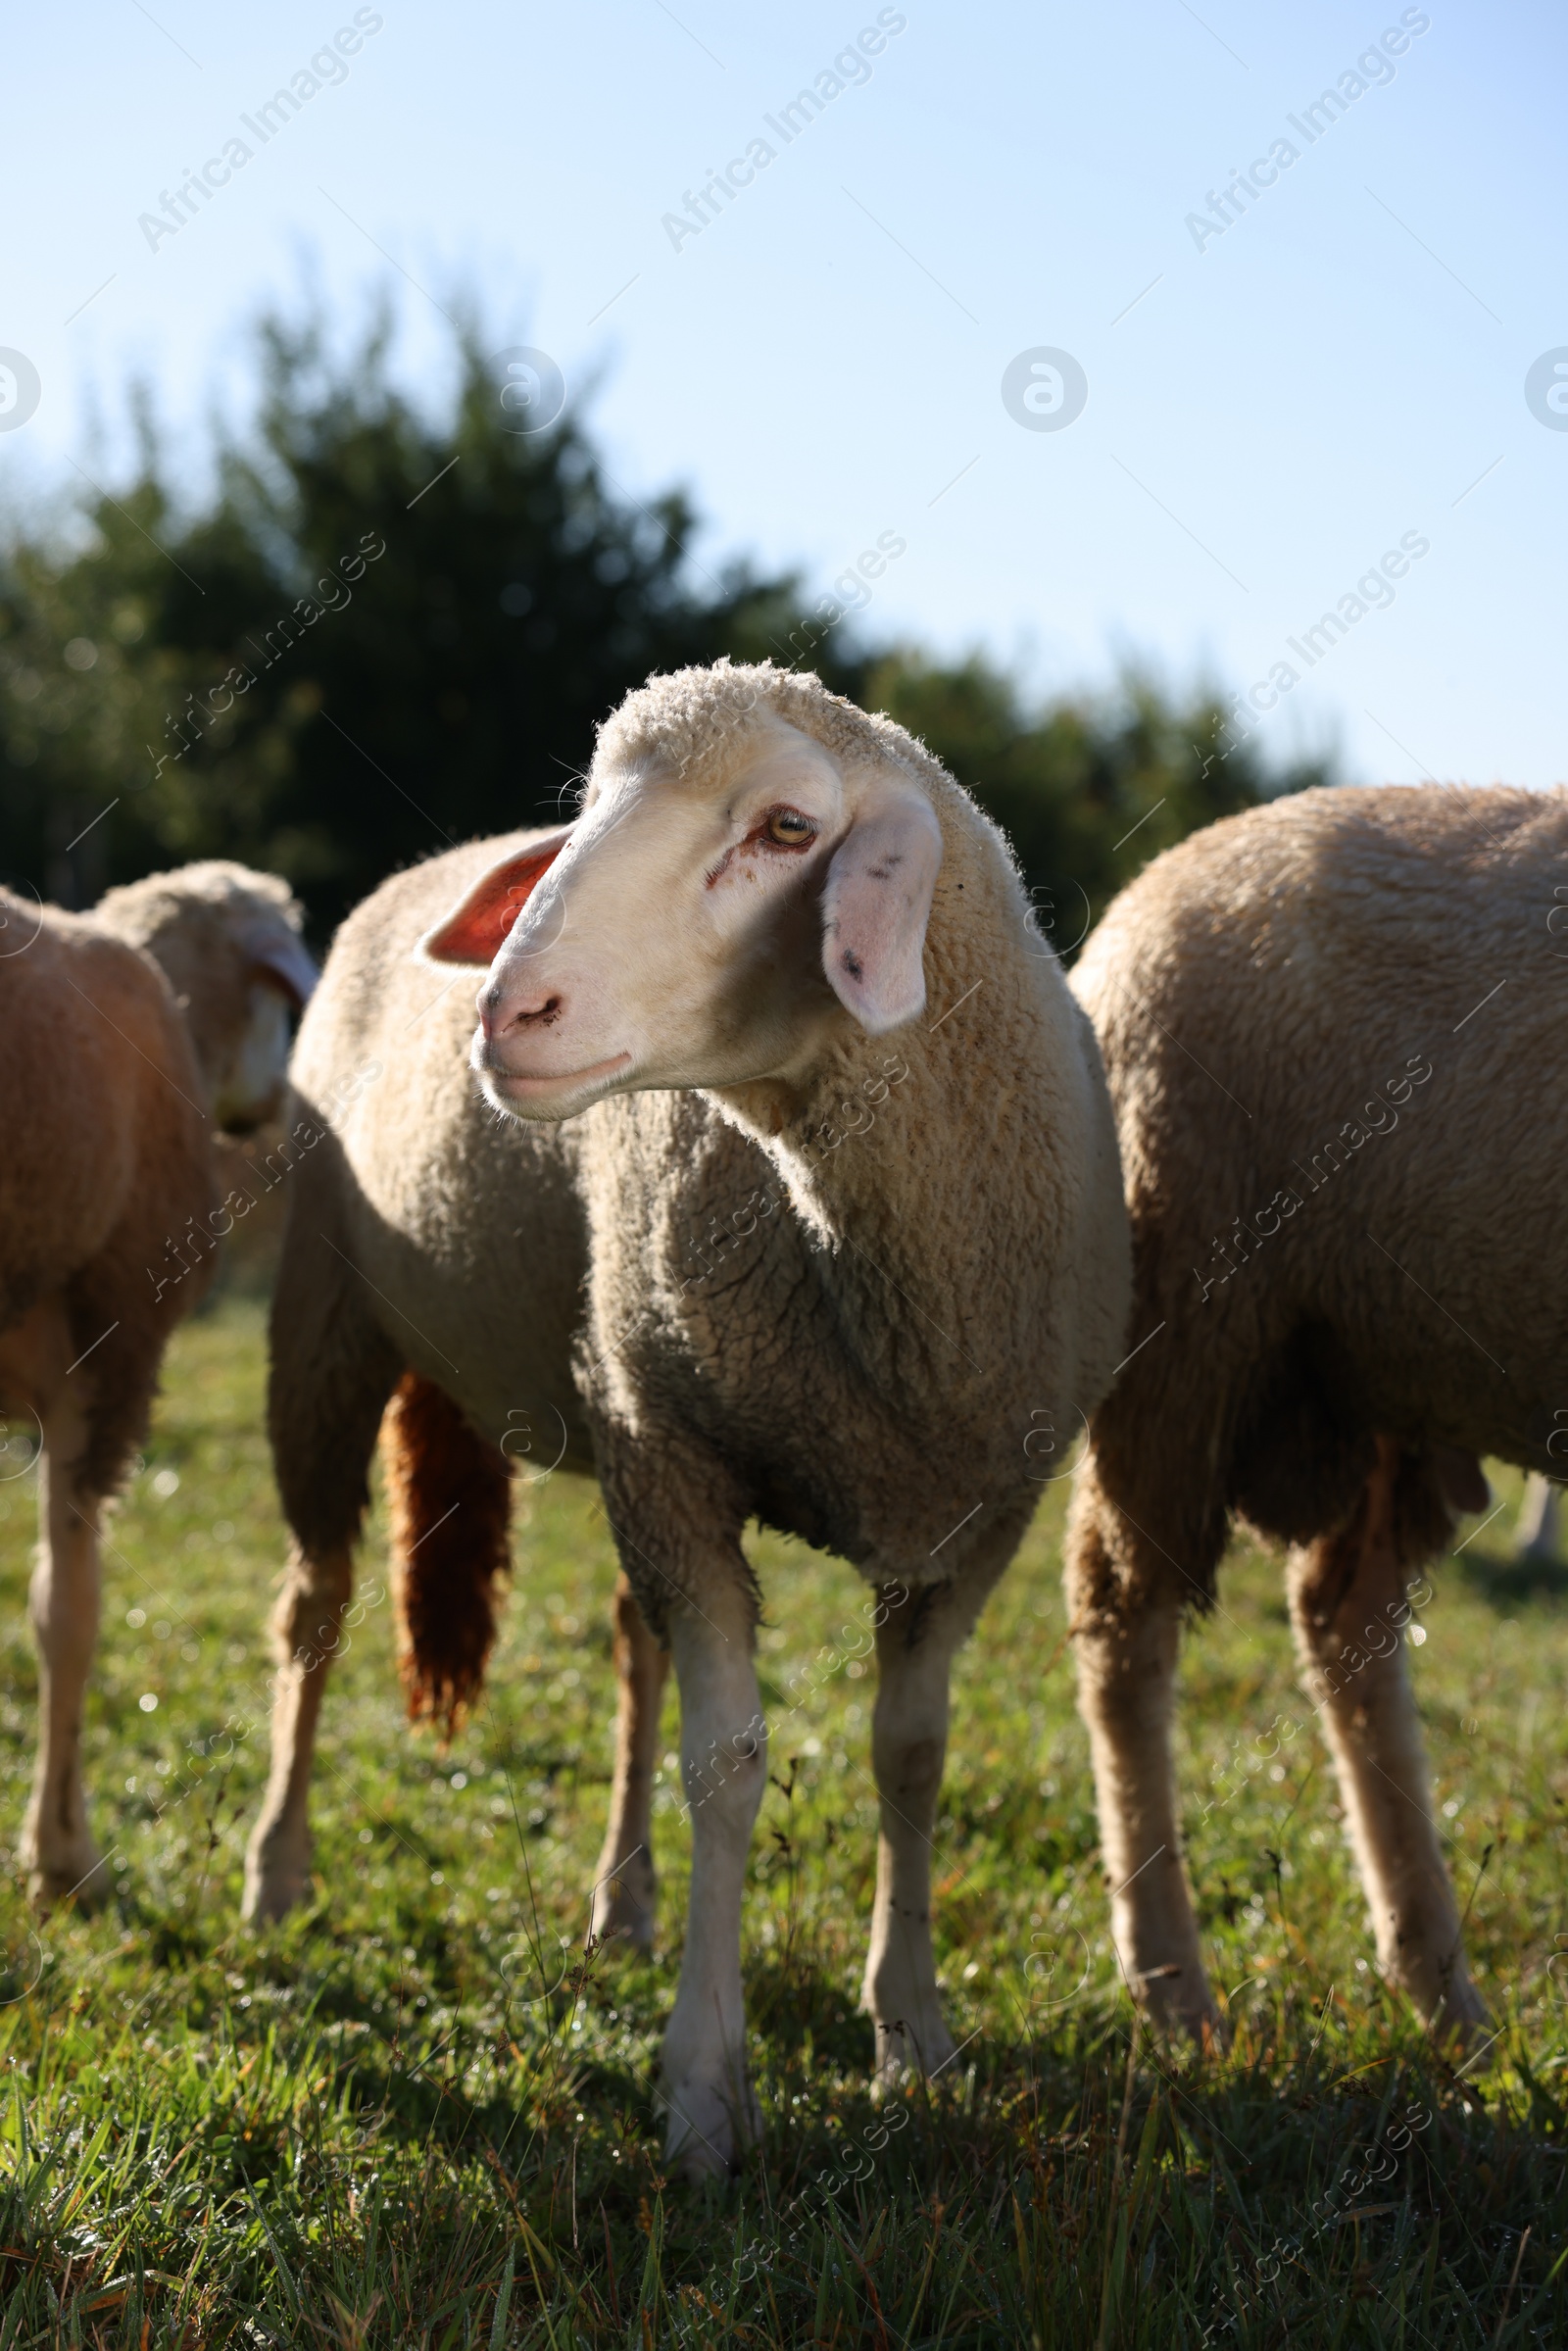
column 416, row 2115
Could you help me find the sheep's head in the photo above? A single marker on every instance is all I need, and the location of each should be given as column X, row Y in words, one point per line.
column 228, row 943
column 730, row 895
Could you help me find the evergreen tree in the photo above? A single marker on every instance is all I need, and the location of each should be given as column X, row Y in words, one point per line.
column 1088, row 789
column 382, row 633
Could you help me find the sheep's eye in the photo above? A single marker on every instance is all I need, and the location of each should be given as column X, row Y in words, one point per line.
column 789, row 828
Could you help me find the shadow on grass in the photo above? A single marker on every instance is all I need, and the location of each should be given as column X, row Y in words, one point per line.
column 801, row 2010
column 476, row 2178
column 1508, row 1581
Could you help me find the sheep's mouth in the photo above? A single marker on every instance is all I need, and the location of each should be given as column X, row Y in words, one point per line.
column 514, row 1088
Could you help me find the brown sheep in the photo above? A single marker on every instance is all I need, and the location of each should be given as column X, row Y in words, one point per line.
column 107, row 1222
column 1327, row 1025
column 759, row 1232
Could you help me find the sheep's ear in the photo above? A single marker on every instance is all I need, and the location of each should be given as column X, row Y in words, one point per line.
column 473, row 931
column 277, row 952
column 875, row 908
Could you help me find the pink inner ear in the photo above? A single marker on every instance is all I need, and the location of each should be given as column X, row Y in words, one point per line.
column 473, row 931
column 875, row 909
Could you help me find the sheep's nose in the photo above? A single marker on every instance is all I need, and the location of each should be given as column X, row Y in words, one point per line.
column 500, row 1010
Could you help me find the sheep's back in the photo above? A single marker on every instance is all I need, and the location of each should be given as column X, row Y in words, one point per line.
column 465, row 1221
column 104, row 1127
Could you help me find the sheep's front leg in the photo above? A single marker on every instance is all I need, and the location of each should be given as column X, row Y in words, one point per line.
column 307, row 1627
column 625, row 1880
column 712, row 2113
column 917, row 1636
column 58, row 1850
column 1348, row 1607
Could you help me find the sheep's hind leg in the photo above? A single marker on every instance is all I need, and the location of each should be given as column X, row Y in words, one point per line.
column 1347, row 1605
column 1126, row 1617
column 332, row 1372
column 624, row 1884
column 307, row 1628
column 918, row 1634
column 58, row 1850
column 711, row 2112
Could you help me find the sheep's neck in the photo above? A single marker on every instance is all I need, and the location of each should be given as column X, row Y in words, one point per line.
column 904, row 1154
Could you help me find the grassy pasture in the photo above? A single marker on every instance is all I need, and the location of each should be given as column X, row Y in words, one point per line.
column 418, row 2115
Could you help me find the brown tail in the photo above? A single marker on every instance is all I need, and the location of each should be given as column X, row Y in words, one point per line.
column 450, row 1499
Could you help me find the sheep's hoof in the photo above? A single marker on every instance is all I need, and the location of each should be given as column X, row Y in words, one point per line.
column 910, row 2052
column 1460, row 2023
column 274, row 1884
column 708, row 2132
column 624, row 1906
column 82, row 1880
column 1178, row 2004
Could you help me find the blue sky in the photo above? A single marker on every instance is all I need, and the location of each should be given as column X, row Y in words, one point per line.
column 1272, row 405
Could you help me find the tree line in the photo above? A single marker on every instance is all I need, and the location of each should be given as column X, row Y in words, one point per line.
column 381, row 631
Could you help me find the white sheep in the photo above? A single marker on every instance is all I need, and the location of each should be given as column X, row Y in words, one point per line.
column 1327, row 1026
column 125, row 1034
column 807, row 1210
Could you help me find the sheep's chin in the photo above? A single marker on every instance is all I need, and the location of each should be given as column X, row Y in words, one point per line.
column 555, row 1097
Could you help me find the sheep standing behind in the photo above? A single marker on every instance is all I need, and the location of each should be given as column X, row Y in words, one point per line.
column 837, row 1232
column 123, row 1035
column 1333, row 1034
column 1538, row 1533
